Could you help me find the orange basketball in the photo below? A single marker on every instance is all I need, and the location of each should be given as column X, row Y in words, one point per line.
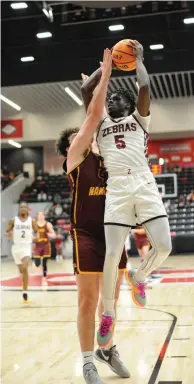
column 123, row 56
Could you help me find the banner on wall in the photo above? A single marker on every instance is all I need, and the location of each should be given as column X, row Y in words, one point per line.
column 11, row 129
column 179, row 147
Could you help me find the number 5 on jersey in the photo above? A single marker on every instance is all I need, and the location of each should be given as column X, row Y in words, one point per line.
column 119, row 142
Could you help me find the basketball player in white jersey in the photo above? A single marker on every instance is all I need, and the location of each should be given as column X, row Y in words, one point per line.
column 21, row 229
column 132, row 194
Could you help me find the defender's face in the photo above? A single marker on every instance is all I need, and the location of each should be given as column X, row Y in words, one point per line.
column 116, row 103
column 23, row 209
column 71, row 138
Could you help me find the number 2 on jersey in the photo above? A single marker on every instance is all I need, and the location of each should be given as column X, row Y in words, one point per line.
column 120, row 144
column 23, row 235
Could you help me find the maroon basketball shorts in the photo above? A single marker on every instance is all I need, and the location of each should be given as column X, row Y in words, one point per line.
column 42, row 250
column 141, row 241
column 89, row 253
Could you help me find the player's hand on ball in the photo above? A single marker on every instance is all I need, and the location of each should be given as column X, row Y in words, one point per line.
column 113, row 64
column 106, row 65
column 137, row 49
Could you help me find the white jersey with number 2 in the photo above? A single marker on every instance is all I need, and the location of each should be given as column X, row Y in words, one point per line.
column 123, row 143
column 22, row 231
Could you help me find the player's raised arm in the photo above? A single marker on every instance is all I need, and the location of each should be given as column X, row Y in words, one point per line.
column 143, row 81
column 89, row 85
column 85, row 78
column 84, row 138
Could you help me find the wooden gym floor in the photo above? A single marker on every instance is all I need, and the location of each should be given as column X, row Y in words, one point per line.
column 40, row 343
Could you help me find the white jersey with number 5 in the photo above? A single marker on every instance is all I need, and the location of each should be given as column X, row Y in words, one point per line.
column 22, row 231
column 123, row 142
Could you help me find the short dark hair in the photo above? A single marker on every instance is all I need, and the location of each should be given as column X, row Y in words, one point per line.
column 23, row 202
column 127, row 94
column 63, row 142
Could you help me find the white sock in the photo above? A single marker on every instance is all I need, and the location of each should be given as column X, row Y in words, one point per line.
column 25, row 292
column 109, row 305
column 87, row 357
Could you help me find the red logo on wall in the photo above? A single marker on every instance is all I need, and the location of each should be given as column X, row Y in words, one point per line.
column 11, row 129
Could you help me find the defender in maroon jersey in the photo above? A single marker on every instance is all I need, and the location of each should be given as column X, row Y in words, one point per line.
column 88, row 182
column 86, row 174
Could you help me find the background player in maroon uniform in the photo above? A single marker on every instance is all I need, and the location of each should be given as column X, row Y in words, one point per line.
column 87, row 177
column 42, row 250
column 142, row 241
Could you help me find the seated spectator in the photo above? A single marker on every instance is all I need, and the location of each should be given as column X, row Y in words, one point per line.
column 11, row 176
column 167, row 205
column 5, row 171
column 57, row 198
column 42, row 196
column 169, row 169
column 182, row 201
column 173, row 205
column 58, row 210
column 40, row 175
column 190, row 196
column 177, row 169
column 65, row 215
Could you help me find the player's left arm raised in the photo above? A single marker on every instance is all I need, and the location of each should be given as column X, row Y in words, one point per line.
column 94, row 113
column 143, row 103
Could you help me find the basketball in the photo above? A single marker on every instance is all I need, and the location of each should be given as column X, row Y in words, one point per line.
column 123, row 56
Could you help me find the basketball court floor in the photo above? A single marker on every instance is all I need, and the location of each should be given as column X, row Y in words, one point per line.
column 40, row 343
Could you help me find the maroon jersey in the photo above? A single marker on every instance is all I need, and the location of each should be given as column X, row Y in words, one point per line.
column 43, row 231
column 88, row 182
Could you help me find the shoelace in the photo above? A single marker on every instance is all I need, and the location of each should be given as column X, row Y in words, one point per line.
column 115, row 353
column 141, row 287
column 90, row 373
column 105, row 325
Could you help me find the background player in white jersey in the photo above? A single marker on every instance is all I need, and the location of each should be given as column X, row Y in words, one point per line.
column 132, row 194
column 21, row 229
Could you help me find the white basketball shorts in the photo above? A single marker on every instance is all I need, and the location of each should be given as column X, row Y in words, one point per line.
column 19, row 251
column 133, row 199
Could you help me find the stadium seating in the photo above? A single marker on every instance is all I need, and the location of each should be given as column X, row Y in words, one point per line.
column 181, row 220
column 50, row 185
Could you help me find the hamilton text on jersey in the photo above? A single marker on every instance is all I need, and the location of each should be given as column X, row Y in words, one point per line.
column 97, row 191
column 119, row 128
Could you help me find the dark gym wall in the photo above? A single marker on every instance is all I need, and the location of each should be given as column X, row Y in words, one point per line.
column 15, row 158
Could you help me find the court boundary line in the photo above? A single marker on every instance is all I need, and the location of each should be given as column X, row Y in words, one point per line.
column 164, row 348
